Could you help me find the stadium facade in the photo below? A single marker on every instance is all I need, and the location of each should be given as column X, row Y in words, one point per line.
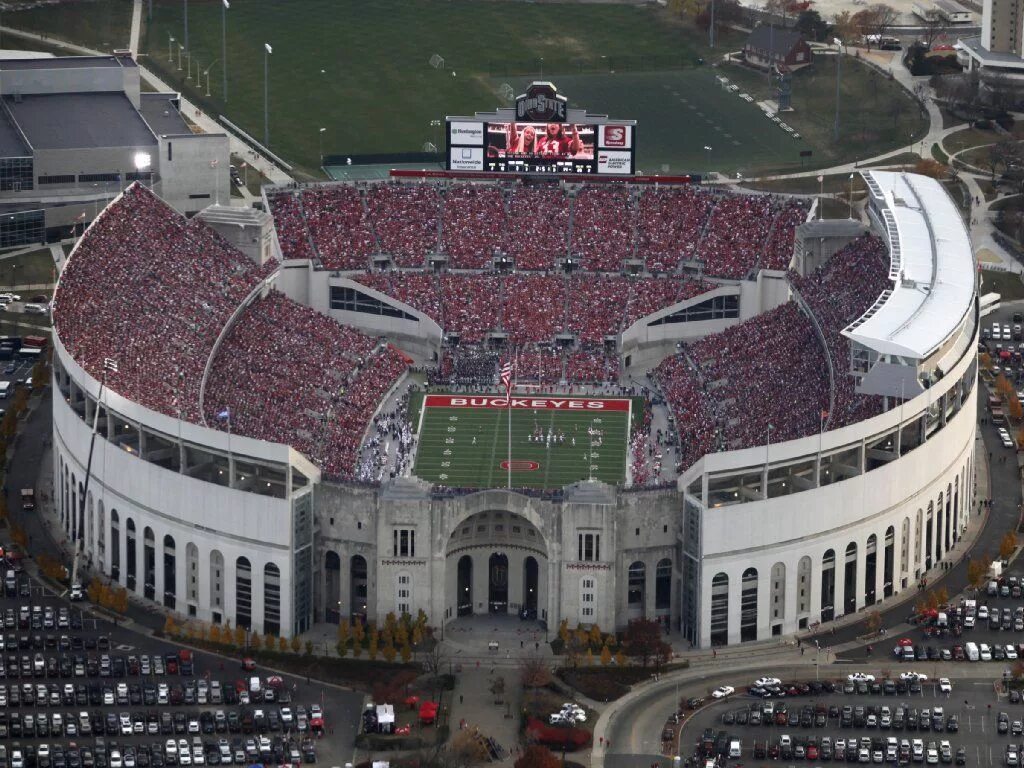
column 749, row 544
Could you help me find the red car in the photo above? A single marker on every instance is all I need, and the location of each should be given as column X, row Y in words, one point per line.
column 812, row 752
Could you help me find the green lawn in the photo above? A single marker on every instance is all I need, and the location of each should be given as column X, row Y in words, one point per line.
column 465, row 447
column 876, row 114
column 31, row 268
column 100, row 24
column 361, row 69
column 1007, row 284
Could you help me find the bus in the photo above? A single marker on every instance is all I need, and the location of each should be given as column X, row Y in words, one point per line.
column 28, row 498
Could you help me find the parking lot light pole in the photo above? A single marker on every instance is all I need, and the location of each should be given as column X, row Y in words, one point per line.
column 267, row 50
column 223, row 45
column 817, row 654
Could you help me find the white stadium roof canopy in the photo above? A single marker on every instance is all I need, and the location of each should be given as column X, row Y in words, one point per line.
column 931, row 265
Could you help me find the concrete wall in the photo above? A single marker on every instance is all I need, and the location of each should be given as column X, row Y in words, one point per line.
column 194, row 171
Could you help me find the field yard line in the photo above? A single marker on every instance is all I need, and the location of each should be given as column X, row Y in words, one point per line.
column 494, row 446
column 419, row 429
column 547, row 458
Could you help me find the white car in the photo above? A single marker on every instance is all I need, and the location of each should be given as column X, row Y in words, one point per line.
column 944, row 685
column 983, row 612
column 860, row 677
column 725, row 690
column 767, row 682
column 1011, row 652
column 913, row 676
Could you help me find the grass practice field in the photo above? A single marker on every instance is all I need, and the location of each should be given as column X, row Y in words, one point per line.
column 467, row 445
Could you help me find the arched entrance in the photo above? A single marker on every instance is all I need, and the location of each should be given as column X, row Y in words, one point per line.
column 497, row 583
column 332, row 587
column 465, row 586
column 531, row 574
column 496, row 565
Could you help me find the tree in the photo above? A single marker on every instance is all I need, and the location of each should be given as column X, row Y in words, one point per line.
column 342, row 649
column 643, row 640
column 1007, row 545
column 406, row 653
column 309, row 648
column 876, row 19
column 843, row 26
column 1014, row 407
column 595, row 636
column 812, row 26
column 534, row 673
column 240, row 634
column 94, row 591
column 563, row 631
column 620, row 658
column 1004, row 154
column 215, row 634
column 926, row 166
column 296, row 644
column 606, row 656
column 932, row 28
column 873, row 623
column 537, row 756
column 372, row 650
column 468, row 748
column 344, row 631
column 40, row 375
column 389, row 653
column 282, row 644
column 977, row 570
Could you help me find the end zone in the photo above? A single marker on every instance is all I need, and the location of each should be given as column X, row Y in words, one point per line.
column 528, row 403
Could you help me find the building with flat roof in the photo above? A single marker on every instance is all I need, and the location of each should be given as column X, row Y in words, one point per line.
column 76, row 130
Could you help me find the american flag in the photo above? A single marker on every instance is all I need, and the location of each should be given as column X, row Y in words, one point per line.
column 506, row 377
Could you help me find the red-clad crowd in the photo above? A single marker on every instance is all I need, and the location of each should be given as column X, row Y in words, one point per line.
column 290, row 222
column 766, row 379
column 537, row 236
column 150, row 290
column 472, row 225
column 838, row 293
column 405, row 218
column 339, row 227
column 670, row 221
column 602, row 228
column 537, row 226
column 530, row 307
column 326, row 379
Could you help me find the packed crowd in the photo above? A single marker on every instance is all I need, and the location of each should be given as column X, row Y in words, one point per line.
column 339, row 227
column 737, row 236
column 766, row 379
column 406, row 219
column 837, row 293
column 328, row 377
column 530, row 307
column 602, row 229
column 150, row 290
column 670, row 221
column 537, row 226
column 472, row 225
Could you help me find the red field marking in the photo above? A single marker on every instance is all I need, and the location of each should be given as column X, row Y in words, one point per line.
column 587, row 404
column 521, row 465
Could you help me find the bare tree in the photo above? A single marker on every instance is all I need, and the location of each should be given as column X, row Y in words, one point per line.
column 932, row 28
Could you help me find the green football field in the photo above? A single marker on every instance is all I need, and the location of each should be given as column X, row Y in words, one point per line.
column 468, row 446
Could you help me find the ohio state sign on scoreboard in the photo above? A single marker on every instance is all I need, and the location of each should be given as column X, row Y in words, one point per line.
column 541, row 134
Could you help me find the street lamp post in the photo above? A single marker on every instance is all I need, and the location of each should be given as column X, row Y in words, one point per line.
column 707, row 148
column 188, row 58
column 821, row 195
column 839, row 68
column 223, row 46
column 170, row 48
column 851, row 195
column 207, row 73
column 267, row 50
column 186, row 24
column 180, row 49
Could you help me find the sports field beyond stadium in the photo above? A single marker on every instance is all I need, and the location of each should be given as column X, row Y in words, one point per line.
column 556, row 440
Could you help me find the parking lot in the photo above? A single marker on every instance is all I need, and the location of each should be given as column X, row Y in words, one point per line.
column 967, row 725
column 77, row 692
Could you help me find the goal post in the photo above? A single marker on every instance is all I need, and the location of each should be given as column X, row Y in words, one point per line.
column 437, row 61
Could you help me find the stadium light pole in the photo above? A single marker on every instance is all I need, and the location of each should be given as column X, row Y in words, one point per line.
column 180, row 49
column 267, row 50
column 170, row 48
column 185, row 2
column 839, row 66
column 707, row 148
column 224, row 43
column 711, row 27
column 321, row 136
column 851, row 195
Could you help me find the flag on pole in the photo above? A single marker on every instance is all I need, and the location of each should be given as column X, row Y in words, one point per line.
column 224, row 415
column 506, row 377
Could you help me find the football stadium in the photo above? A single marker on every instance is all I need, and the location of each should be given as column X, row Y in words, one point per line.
column 533, row 384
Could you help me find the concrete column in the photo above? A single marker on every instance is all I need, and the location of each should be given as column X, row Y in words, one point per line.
column 229, row 591
column 650, row 576
column 880, row 570
column 181, row 575
column 481, row 582
column 158, row 563
column 764, row 602
column 839, row 600
column 258, row 595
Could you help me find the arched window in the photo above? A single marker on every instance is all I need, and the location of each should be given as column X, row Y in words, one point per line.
column 748, row 605
column 636, row 586
column 850, row 579
column 663, row 585
column 719, row 625
column 359, row 586
column 192, row 575
column 271, row 599
column 243, row 593
column 828, row 585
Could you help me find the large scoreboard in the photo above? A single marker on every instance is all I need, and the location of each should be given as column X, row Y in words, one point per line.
column 541, row 135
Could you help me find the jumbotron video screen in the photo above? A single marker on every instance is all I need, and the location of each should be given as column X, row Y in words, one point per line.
column 540, row 135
